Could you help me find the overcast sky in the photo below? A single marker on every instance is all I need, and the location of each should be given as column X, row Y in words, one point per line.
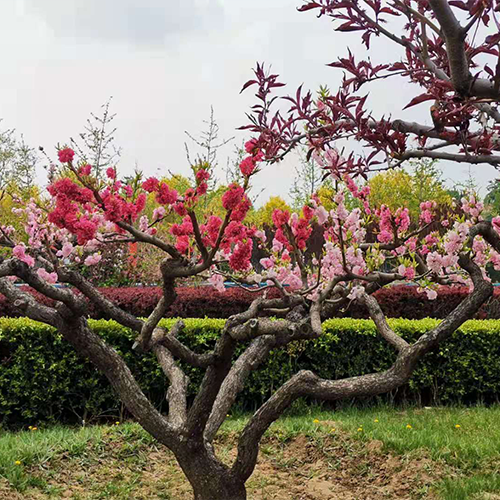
column 165, row 62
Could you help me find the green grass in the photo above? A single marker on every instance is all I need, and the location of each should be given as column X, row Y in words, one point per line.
column 463, row 443
column 476, row 440
column 469, row 488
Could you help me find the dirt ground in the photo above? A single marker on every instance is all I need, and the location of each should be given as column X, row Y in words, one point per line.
column 303, row 468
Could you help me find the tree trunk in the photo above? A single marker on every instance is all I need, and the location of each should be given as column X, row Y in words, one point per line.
column 209, row 478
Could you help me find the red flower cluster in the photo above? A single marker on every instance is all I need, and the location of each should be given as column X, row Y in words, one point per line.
column 182, row 232
column 240, row 212
column 240, row 258
column 184, row 229
column 151, row 184
column 117, row 209
column 65, row 215
column 166, row 196
column 211, row 230
column 202, row 175
column 280, row 217
column 85, row 169
column 301, row 230
column 66, row 155
column 248, row 164
column 232, row 197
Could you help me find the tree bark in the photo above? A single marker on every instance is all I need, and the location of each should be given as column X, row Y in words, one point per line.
column 209, row 478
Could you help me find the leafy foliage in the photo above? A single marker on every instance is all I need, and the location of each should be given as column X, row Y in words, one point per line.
column 47, row 381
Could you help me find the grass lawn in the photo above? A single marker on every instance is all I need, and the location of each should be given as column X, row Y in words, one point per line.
column 365, row 454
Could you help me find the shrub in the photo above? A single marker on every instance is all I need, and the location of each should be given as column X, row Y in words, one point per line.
column 396, row 302
column 43, row 380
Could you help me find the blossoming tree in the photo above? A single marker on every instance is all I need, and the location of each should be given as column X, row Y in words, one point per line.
column 84, row 214
column 363, row 249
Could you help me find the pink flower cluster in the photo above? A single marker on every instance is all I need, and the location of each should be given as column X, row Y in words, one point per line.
column 19, row 251
column 426, row 208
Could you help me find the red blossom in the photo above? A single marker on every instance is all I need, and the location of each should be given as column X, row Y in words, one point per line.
column 151, row 184
column 85, row 230
column 240, row 258
column 280, row 217
column 66, row 155
column 202, row 175
column 247, row 166
column 85, row 169
column 232, row 197
column 166, row 196
column 240, row 212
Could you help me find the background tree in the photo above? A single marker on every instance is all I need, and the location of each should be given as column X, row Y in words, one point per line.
column 17, row 164
column 96, row 144
column 409, row 188
column 492, row 198
column 264, row 215
column 309, row 178
column 17, row 172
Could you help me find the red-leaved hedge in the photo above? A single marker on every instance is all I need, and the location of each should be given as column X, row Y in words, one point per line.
column 204, row 301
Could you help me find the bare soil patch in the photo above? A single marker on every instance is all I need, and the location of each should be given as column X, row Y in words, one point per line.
column 328, row 467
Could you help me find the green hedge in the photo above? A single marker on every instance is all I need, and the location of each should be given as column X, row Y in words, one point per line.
column 42, row 379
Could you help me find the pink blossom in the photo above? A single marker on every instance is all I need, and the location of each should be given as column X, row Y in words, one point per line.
column 267, row 263
column 159, row 213
column 260, row 235
column 66, row 251
column 384, row 236
column 406, row 272
column 434, row 262
column 93, row 259
column 217, row 281
column 19, row 251
column 356, row 293
column 111, row 173
column 45, row 275
column 321, row 214
column 496, row 223
column 144, row 223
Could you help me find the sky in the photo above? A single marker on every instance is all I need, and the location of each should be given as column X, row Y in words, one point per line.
column 165, row 63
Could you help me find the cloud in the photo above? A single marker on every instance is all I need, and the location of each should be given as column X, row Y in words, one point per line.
column 145, row 22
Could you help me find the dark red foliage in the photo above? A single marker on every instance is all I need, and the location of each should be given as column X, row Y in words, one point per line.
column 204, row 301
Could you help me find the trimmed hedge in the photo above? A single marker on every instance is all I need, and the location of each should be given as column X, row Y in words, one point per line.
column 396, row 302
column 43, row 380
